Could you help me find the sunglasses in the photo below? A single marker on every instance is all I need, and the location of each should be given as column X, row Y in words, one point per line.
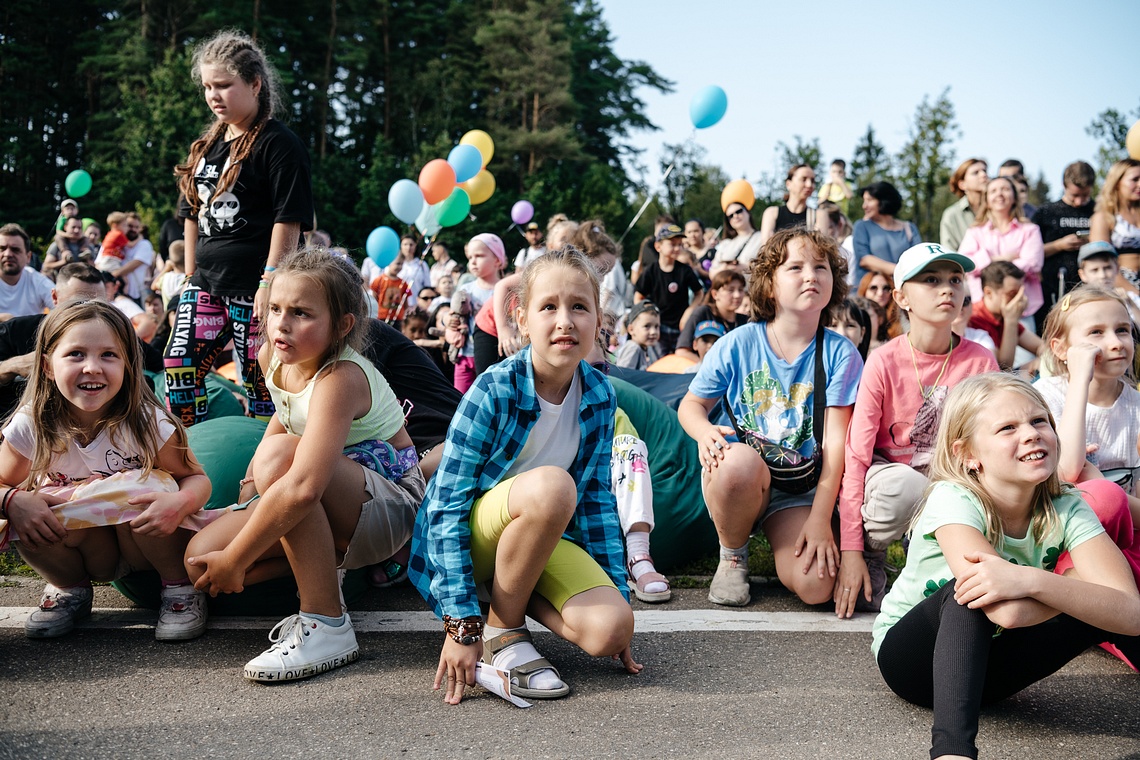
column 731, row 214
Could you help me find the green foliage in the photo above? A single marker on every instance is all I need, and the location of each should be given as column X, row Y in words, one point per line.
column 923, row 165
column 374, row 89
column 1110, row 127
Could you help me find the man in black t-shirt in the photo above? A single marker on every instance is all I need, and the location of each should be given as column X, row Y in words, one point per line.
column 668, row 285
column 1064, row 229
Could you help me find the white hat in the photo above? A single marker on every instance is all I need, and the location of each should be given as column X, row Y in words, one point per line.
column 919, row 257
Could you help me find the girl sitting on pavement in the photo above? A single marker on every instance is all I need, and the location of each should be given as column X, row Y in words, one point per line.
column 769, row 373
column 89, row 431
column 336, row 471
column 978, row 613
column 522, row 500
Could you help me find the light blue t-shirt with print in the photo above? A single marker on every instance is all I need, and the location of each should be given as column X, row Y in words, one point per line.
column 773, row 397
column 926, row 568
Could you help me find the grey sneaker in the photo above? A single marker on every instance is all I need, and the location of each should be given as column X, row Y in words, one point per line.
column 730, row 584
column 877, row 569
column 182, row 614
column 59, row 610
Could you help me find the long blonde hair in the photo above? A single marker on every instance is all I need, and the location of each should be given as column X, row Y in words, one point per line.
column 1059, row 321
column 966, row 406
column 241, row 57
column 132, row 415
column 1109, row 199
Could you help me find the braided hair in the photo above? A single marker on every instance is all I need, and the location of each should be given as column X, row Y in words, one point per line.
column 241, row 57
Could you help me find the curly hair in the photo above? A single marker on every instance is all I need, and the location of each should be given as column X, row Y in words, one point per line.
column 762, row 279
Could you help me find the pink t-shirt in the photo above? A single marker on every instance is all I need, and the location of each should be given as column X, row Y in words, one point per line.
column 984, row 243
column 894, row 420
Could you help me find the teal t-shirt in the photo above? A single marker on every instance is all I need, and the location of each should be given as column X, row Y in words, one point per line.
column 926, row 569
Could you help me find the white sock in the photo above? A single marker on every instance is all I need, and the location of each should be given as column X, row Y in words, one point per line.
column 520, row 654
column 637, row 545
column 740, row 555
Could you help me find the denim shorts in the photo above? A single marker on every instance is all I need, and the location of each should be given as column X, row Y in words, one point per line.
column 778, row 501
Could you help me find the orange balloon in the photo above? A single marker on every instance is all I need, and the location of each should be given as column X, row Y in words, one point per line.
column 437, row 180
column 480, row 187
column 1132, row 141
column 738, row 191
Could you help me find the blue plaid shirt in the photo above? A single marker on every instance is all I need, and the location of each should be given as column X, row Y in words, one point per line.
column 486, row 435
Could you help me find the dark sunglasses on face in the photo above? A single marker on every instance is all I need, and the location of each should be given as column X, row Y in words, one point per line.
column 731, row 214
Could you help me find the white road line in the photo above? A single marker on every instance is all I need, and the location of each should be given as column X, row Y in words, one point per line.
column 647, row 621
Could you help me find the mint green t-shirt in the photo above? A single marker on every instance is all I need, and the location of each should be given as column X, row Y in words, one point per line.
column 926, row 569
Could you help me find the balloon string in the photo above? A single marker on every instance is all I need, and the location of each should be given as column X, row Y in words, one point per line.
column 651, row 196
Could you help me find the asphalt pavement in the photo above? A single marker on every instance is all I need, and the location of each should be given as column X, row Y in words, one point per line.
column 775, row 679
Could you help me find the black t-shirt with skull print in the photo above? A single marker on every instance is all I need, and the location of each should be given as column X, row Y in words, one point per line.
column 235, row 225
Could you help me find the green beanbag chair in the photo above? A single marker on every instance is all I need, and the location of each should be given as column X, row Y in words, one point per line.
column 219, row 394
column 225, row 446
column 683, row 530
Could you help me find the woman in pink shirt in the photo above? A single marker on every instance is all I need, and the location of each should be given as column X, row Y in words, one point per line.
column 1002, row 232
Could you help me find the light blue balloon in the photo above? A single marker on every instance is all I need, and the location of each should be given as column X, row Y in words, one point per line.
column 382, row 246
column 466, row 160
column 708, row 106
column 406, row 200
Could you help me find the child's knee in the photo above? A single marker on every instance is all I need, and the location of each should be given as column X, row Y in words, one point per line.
column 609, row 631
column 273, row 458
column 547, row 490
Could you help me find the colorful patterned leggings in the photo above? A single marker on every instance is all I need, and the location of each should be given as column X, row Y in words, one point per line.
column 203, row 325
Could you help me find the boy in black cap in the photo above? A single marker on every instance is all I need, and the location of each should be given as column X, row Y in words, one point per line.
column 669, row 286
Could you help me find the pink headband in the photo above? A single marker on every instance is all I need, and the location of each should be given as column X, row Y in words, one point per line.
column 494, row 245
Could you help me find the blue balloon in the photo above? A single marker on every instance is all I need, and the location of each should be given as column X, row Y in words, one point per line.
column 708, row 107
column 406, row 200
column 382, row 246
column 466, row 160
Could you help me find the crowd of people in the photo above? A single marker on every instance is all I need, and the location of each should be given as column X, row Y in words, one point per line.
column 974, row 398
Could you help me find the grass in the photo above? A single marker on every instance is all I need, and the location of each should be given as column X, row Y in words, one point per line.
column 11, row 564
column 699, row 572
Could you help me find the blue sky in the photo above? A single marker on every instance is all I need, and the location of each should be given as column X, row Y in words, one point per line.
column 1026, row 78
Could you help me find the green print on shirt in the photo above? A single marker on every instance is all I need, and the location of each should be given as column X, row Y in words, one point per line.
column 773, row 415
column 932, row 586
column 1052, row 554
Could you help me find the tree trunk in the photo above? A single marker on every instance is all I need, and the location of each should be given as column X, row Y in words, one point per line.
column 323, row 100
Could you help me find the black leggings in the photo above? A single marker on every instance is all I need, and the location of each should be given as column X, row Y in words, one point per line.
column 486, row 350
column 944, row 655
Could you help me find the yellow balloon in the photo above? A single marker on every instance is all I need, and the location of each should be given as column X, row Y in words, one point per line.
column 1132, row 141
column 482, row 141
column 738, row 191
column 480, row 187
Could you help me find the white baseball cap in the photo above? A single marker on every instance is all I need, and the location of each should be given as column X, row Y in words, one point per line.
column 919, row 257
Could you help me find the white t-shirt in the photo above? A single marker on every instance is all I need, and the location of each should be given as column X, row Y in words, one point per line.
column 100, row 457
column 138, row 278
column 30, row 295
column 553, row 441
column 369, row 271
column 1115, row 429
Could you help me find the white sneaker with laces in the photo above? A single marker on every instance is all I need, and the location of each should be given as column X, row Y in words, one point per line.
column 59, row 610
column 303, row 647
column 182, row 614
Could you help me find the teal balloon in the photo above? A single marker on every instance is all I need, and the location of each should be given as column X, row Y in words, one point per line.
column 382, row 246
column 466, row 160
column 708, row 106
column 77, row 184
column 406, row 200
column 455, row 208
column 428, row 220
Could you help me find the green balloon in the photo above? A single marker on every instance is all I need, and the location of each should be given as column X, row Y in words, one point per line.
column 77, row 184
column 454, row 208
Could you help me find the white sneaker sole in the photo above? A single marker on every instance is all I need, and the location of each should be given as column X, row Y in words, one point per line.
column 306, row 671
column 184, row 634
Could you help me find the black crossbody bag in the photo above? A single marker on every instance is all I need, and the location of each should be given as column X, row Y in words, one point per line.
column 791, row 471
